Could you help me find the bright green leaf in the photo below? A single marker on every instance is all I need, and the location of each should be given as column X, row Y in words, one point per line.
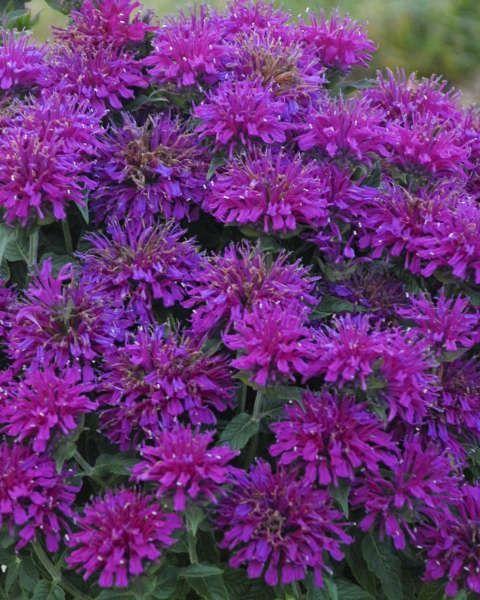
column 194, row 515
column 239, row 431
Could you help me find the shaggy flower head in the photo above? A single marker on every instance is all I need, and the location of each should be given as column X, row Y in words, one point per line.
column 447, row 323
column 415, row 488
column 7, row 300
column 245, row 16
column 156, row 379
column 242, row 277
column 22, row 64
column 33, row 497
column 279, row 526
column 331, row 438
column 61, row 322
column 141, row 264
column 149, row 170
column 184, row 464
column 46, row 155
column 241, row 112
column 453, row 548
column 346, row 128
column 274, row 344
column 188, row 50
column 118, row 534
column 338, row 42
column 274, row 192
column 43, row 404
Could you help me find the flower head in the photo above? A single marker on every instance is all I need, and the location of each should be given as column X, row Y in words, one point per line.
column 141, row 264
column 149, row 170
column 33, row 497
column 241, row 112
column 331, row 438
column 274, row 343
column 43, row 404
column 118, row 534
column 158, row 378
column 22, row 64
column 242, row 277
column 183, row 463
column 274, row 192
column 279, row 526
column 245, row 16
column 338, row 42
column 188, row 50
column 412, row 490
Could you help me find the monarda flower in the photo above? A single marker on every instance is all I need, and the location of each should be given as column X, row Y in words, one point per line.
column 228, row 284
column 452, row 547
column 158, row 378
column 144, row 171
column 273, row 344
column 274, row 192
column 189, row 50
column 118, row 534
column 46, row 158
column 245, row 16
column 241, row 112
column 338, row 42
column 141, row 264
column 349, row 128
column 98, row 22
column 7, row 301
column 445, row 323
column 59, row 321
column 279, row 526
column 22, row 64
column 43, row 404
column 103, row 75
column 33, row 497
column 397, row 501
column 183, row 463
column 331, row 439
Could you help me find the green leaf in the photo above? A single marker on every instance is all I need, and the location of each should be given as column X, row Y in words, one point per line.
column 7, row 237
column 359, row 569
column 28, row 574
column 341, row 493
column 46, row 590
column 114, row 464
column 217, row 161
column 83, row 210
column 166, row 584
column 64, row 6
column 209, row 588
column 385, row 564
column 331, row 305
column 194, row 515
column 200, row 570
column 432, row 591
column 350, row 591
column 239, row 431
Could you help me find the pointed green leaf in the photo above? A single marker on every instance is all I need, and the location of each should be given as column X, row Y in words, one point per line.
column 239, row 431
column 385, row 564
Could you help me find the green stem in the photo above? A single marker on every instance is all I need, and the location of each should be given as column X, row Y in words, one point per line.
column 67, row 236
column 56, row 574
column 33, row 249
column 257, row 407
column 192, row 547
column 256, row 416
column 87, row 468
column 243, row 398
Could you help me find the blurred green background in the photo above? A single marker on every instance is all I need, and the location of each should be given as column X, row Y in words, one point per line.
column 427, row 36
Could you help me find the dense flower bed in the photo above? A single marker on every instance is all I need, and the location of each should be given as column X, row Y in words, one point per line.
column 239, row 314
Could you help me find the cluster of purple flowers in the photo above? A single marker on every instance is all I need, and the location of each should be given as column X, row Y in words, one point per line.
column 269, row 311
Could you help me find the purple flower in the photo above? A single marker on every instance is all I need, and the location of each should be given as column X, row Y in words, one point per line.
column 242, row 277
column 118, row 534
column 347, row 351
column 446, row 323
column 349, row 128
column 189, row 50
column 59, row 321
column 338, row 42
column 7, row 300
column 274, row 192
column 274, row 343
column 103, row 75
column 182, row 463
column 245, row 16
column 141, row 264
column 149, row 170
column 157, row 378
column 97, row 22
column 33, row 497
column 331, row 438
column 43, row 404
column 279, row 526
column 22, row 64
column 46, row 152
column 452, row 548
column 413, row 490
column 241, row 112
